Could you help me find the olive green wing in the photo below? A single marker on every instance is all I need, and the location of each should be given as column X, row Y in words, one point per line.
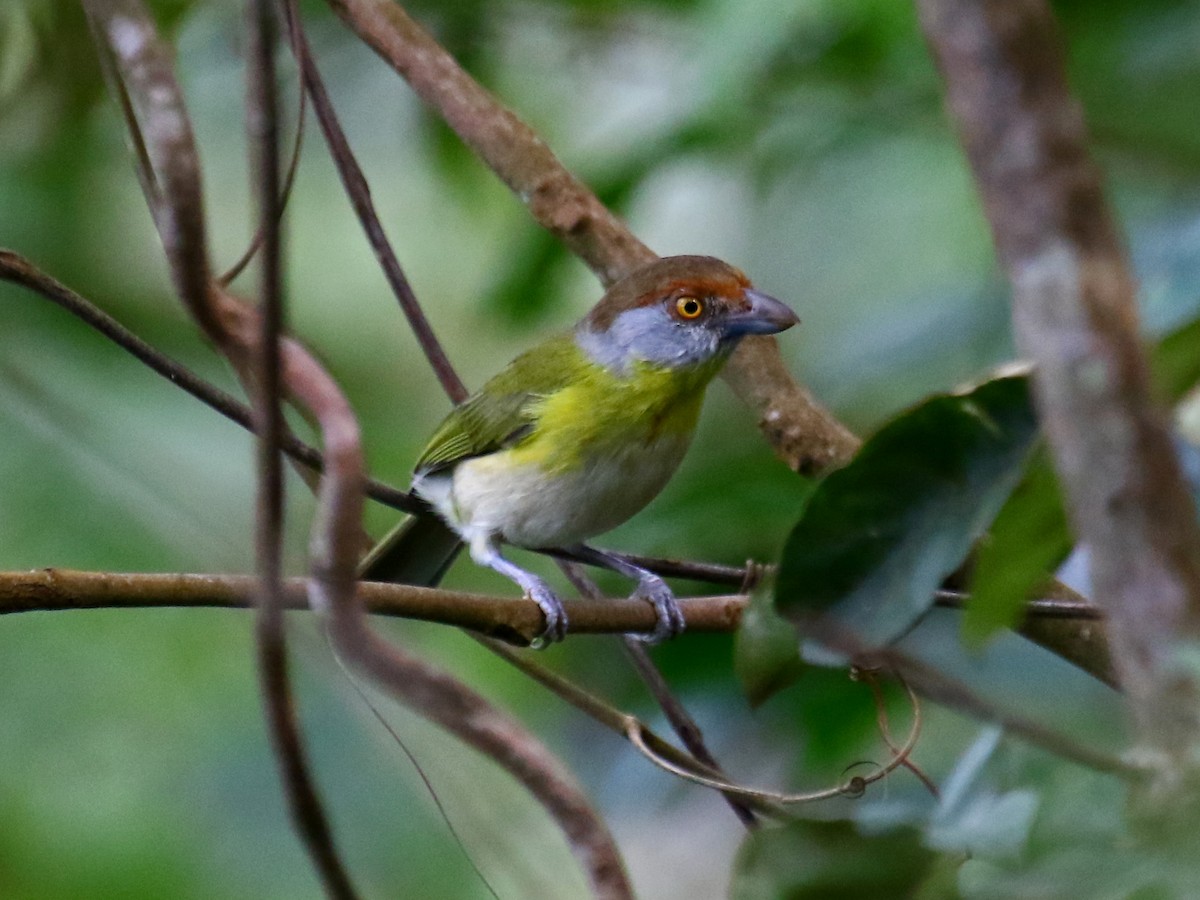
column 503, row 411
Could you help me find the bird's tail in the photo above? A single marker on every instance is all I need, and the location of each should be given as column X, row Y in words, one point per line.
column 417, row 551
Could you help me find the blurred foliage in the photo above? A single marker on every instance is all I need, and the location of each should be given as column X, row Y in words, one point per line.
column 803, row 141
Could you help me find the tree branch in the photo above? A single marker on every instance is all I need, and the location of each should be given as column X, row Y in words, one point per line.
column 802, row 432
column 679, row 718
column 19, row 270
column 1074, row 314
column 513, row 619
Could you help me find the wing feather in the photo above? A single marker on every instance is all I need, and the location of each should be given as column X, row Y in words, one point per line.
column 504, row 411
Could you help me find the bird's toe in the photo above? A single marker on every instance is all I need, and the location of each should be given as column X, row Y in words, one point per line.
column 669, row 621
column 553, row 612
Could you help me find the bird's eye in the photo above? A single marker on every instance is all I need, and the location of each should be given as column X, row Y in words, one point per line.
column 689, row 307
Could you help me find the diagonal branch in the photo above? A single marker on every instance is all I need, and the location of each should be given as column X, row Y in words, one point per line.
column 802, row 433
column 19, row 270
column 679, row 718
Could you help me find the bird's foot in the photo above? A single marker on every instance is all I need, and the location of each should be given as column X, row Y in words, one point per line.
column 669, row 617
column 552, row 611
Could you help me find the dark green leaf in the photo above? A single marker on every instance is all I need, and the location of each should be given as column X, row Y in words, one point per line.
column 829, row 861
column 879, row 536
column 766, row 653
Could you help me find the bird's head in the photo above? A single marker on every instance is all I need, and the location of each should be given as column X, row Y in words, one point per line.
column 677, row 312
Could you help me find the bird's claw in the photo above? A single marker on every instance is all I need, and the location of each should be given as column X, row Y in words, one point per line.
column 553, row 612
column 669, row 621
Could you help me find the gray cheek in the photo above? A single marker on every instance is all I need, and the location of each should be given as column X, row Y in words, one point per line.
column 648, row 334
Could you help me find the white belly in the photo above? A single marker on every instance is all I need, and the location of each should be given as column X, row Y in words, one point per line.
column 529, row 507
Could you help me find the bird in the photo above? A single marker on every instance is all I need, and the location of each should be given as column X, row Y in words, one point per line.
column 578, row 434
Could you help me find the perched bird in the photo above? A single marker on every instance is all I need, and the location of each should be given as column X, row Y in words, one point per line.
column 579, row 433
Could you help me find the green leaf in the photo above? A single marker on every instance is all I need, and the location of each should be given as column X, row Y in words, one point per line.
column 1031, row 537
column 1175, row 362
column 766, row 653
column 879, row 536
column 828, row 861
column 1027, row 541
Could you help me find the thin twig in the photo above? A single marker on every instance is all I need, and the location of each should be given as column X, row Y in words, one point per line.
column 304, row 804
column 359, row 192
column 289, row 182
column 377, row 714
column 679, row 718
column 853, row 787
column 869, row 677
column 19, row 270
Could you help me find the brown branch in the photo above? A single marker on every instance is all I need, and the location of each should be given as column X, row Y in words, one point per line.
column 802, row 433
column 289, row 181
column 170, row 175
column 262, row 126
column 555, row 198
column 513, row 619
column 1074, row 314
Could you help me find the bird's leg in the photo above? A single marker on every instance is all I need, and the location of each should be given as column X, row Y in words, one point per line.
column 669, row 618
column 485, row 550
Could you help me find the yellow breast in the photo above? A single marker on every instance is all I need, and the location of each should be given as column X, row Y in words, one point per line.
column 601, row 450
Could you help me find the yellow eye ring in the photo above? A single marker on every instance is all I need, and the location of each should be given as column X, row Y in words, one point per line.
column 689, row 307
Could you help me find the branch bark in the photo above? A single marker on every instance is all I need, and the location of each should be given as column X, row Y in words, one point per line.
column 1074, row 314
column 515, row 620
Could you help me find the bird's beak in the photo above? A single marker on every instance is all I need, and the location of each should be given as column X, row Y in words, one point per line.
column 761, row 315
